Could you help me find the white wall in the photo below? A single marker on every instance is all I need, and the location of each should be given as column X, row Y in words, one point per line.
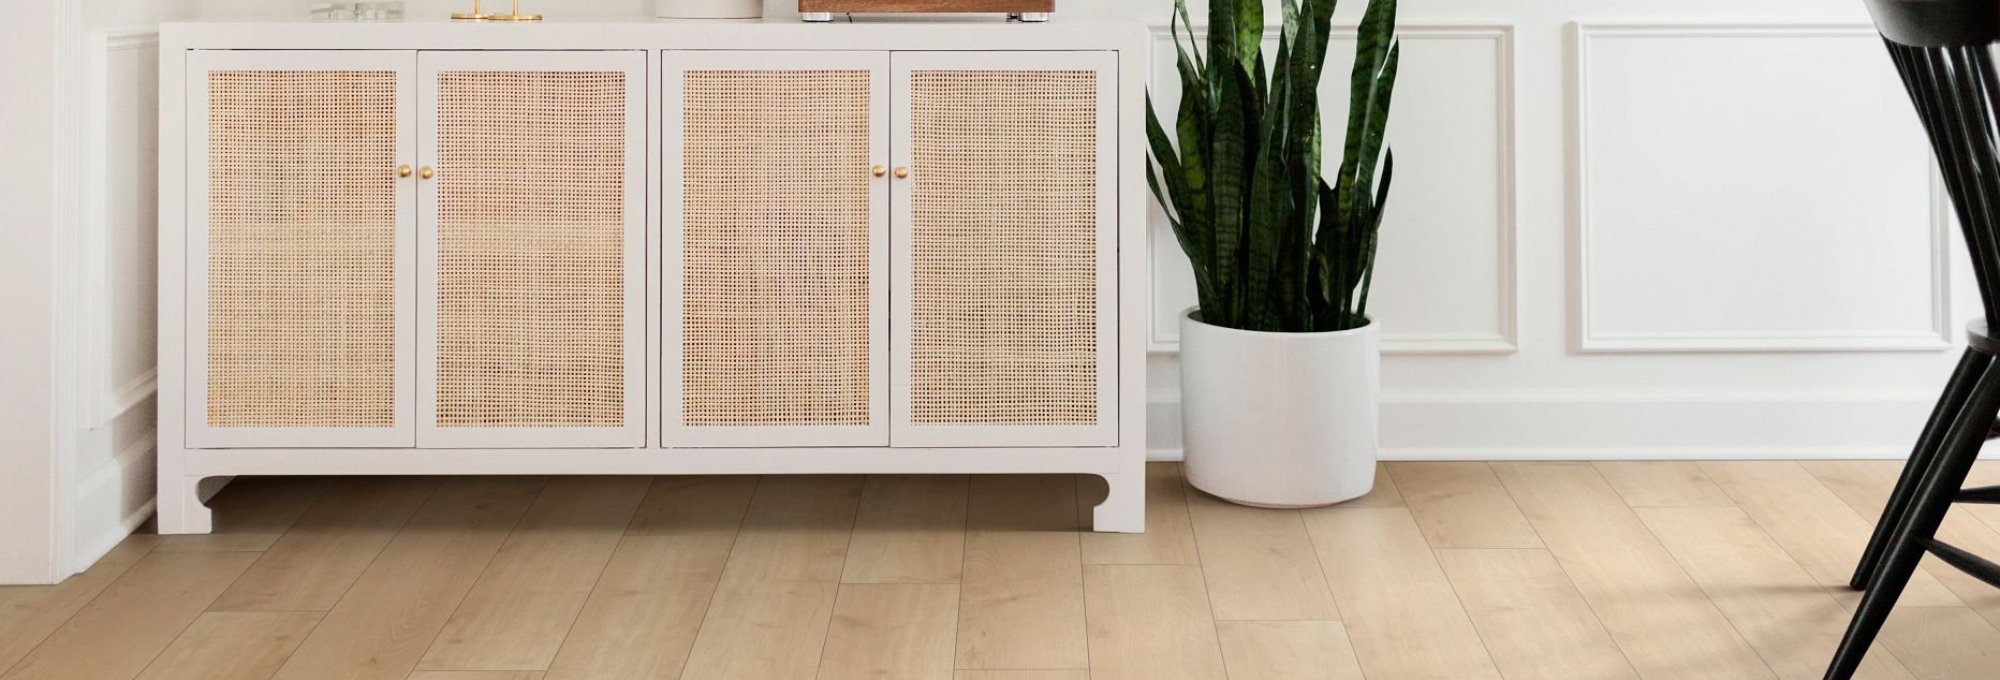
column 1622, row 229
column 1699, row 228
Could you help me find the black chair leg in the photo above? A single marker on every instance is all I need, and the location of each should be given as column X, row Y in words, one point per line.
column 1921, row 458
column 1935, row 489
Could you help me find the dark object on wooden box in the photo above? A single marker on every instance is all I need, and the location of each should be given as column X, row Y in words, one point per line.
column 1025, row 10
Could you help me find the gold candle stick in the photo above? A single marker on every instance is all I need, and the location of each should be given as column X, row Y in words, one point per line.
column 474, row 15
column 516, row 15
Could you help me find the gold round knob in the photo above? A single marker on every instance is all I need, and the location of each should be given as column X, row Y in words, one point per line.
column 879, row 171
column 902, row 172
column 427, row 172
column 402, row 171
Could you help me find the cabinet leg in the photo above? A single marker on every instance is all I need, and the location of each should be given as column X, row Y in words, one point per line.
column 1124, row 509
column 180, row 509
column 816, row 17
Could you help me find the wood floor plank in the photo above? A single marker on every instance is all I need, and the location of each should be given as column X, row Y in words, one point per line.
column 1533, row 620
column 251, row 513
column 1169, row 539
column 1150, row 622
column 28, row 614
column 1943, row 643
column 1021, row 602
column 1984, row 473
column 1462, row 505
column 1660, row 618
column 522, row 607
column 641, row 619
column 1663, row 484
column 327, row 548
column 393, row 612
column 1258, row 564
column 1383, row 495
column 910, row 529
column 1774, row 603
column 124, row 627
column 1399, row 609
column 1022, row 675
column 1287, row 650
column 891, row 631
column 476, row 675
column 1865, row 486
column 233, row 646
column 1814, row 526
column 769, row 616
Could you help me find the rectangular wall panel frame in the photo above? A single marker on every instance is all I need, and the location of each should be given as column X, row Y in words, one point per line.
column 630, row 433
column 1583, row 336
column 675, row 64
column 1163, row 328
column 200, row 434
column 906, row 432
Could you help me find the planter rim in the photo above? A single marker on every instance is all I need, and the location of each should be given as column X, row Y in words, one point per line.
column 1193, row 315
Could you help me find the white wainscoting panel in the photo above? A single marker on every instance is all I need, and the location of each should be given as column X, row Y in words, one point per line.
column 126, row 209
column 1445, row 278
column 1751, row 187
column 114, row 452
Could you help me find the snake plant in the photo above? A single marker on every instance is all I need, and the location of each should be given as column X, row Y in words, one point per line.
column 1276, row 246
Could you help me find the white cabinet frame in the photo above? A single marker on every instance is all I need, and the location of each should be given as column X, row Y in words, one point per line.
column 632, row 434
column 674, row 65
column 199, row 433
column 190, row 461
column 1105, row 431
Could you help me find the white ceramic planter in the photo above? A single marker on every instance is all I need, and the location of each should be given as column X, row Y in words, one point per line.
column 708, row 9
column 1281, row 420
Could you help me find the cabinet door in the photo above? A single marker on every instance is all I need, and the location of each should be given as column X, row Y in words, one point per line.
column 301, row 249
column 531, row 282
column 1005, row 262
column 776, row 286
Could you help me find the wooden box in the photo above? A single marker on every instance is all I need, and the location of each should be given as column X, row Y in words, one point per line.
column 1007, row 6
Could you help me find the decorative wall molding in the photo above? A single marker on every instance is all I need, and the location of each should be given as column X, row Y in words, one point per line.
column 1585, row 337
column 115, row 404
column 105, row 503
column 1528, row 425
column 108, row 401
column 1164, row 329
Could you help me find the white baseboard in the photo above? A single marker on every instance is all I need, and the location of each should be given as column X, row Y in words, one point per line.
column 1588, row 425
column 113, row 500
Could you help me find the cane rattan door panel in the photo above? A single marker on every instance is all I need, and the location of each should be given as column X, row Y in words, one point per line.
column 1005, row 258
column 532, row 286
column 299, row 249
column 776, row 281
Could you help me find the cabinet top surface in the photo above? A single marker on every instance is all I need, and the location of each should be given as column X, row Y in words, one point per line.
column 957, row 32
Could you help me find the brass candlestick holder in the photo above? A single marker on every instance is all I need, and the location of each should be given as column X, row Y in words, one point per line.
column 516, row 15
column 474, row 15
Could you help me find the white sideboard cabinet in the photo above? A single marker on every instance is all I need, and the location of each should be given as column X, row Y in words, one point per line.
column 651, row 248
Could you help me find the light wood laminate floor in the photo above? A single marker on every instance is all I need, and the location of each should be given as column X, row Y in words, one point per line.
column 1448, row 571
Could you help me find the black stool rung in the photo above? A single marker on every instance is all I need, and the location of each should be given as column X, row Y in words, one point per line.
column 1983, row 494
column 1979, row 567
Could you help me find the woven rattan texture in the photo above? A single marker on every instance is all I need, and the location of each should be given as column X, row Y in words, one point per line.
column 530, row 249
column 1003, row 280
column 775, row 248
column 301, row 249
